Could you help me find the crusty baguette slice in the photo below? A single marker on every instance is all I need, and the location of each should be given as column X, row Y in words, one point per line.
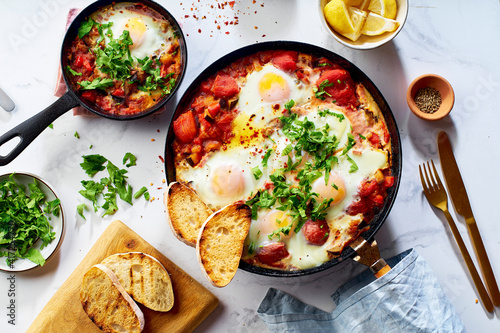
column 220, row 243
column 186, row 212
column 107, row 304
column 144, row 278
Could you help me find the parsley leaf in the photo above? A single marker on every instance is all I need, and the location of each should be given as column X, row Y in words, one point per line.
column 129, row 157
column 85, row 28
column 257, row 173
column 354, row 166
column 74, row 73
column 97, row 83
column 93, row 163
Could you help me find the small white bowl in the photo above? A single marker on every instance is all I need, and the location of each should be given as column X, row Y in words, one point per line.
column 367, row 42
column 57, row 223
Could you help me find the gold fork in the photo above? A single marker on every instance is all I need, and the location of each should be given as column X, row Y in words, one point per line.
column 436, row 195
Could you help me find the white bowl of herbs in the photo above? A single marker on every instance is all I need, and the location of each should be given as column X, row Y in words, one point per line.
column 31, row 222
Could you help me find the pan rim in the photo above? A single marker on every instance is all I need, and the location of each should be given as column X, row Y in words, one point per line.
column 396, row 148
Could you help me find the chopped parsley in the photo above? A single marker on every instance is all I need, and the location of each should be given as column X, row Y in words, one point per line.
column 320, row 92
column 97, row 83
column 298, row 198
column 108, row 188
column 23, row 221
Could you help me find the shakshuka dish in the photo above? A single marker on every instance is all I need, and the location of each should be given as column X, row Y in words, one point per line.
column 125, row 59
column 296, row 138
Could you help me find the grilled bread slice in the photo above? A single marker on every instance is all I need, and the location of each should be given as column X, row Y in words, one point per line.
column 186, row 212
column 144, row 278
column 220, row 243
column 107, row 304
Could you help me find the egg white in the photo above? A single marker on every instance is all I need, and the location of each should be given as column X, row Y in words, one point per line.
column 148, row 42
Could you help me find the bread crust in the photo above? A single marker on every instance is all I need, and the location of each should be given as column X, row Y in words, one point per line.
column 220, row 242
column 107, row 304
column 185, row 212
column 144, row 278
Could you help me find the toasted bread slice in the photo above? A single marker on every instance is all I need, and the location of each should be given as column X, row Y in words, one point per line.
column 186, row 212
column 220, row 243
column 144, row 278
column 107, row 304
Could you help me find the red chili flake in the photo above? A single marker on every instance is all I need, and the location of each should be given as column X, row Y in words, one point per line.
column 263, row 35
column 218, row 27
column 227, row 32
column 158, row 130
column 199, row 30
column 255, row 27
column 153, row 140
column 161, row 159
column 231, row 3
column 186, row 16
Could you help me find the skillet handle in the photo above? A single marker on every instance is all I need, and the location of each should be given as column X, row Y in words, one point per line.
column 28, row 130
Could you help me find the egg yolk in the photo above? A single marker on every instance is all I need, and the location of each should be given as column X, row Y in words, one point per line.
column 273, row 221
column 136, row 29
column 335, row 188
column 228, row 181
column 273, row 87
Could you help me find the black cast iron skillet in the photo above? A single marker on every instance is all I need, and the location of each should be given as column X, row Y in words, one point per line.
column 359, row 77
column 31, row 128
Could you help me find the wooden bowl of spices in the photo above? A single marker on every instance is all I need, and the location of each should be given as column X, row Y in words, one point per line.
column 430, row 97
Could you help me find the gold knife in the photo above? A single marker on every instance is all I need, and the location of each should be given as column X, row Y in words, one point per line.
column 460, row 200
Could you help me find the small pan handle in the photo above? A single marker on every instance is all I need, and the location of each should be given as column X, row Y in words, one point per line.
column 28, row 130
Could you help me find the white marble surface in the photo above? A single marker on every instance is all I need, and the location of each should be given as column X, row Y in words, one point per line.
column 459, row 40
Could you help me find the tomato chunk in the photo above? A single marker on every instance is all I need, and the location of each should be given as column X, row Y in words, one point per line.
column 272, row 253
column 185, row 128
column 225, row 86
column 316, row 232
column 286, row 60
column 339, row 87
column 90, row 95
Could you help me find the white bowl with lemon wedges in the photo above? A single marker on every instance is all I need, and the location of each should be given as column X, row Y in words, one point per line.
column 363, row 24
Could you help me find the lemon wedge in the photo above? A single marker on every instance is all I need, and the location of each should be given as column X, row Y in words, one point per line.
column 346, row 20
column 377, row 25
column 385, row 8
column 354, row 3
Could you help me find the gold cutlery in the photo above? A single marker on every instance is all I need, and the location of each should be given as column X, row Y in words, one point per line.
column 436, row 195
column 462, row 206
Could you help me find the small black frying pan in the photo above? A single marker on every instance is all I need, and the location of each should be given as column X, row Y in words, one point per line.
column 358, row 76
column 31, row 128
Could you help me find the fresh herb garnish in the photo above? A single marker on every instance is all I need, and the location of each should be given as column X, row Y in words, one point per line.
column 108, row 187
column 23, row 221
column 74, row 73
column 257, row 173
column 319, row 92
column 131, row 158
column 85, row 28
column 97, row 83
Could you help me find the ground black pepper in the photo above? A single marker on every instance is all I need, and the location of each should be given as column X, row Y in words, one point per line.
column 428, row 99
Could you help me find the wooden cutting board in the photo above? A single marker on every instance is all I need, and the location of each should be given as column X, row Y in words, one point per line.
column 64, row 313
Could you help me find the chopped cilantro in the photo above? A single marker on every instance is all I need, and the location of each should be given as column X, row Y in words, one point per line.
column 76, row 135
